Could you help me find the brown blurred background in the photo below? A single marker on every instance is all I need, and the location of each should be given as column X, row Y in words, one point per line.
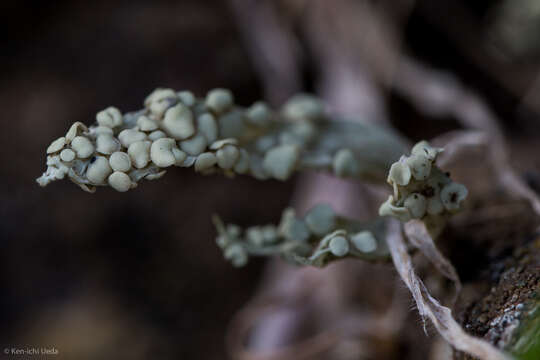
column 137, row 275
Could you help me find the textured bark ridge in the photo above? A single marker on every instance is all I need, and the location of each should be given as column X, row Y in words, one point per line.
column 502, row 303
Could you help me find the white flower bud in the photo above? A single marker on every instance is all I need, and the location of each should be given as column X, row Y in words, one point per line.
column 129, row 136
column 139, row 152
column 120, row 161
column 107, row 144
column 98, row 170
column 280, row 161
column 82, row 146
column 207, row 125
column 416, row 203
column 452, row 195
column 195, row 145
column 219, row 100
column 120, row 181
column 178, row 122
column 339, row 246
column 56, row 145
column 161, row 152
column 110, row 117
column 321, row 219
column 345, row 164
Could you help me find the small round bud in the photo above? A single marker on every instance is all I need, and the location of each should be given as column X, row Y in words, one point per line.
column 219, row 100
column 119, row 181
column 67, row 155
column 207, row 126
column 364, row 241
column 195, row 145
column 82, row 146
column 345, row 164
column 161, row 152
column 280, row 161
column 129, row 136
column 178, row 122
column 107, row 144
column 424, row 148
column 452, row 195
column 420, row 166
column 259, row 114
column 120, row 161
column 236, row 254
column 110, row 117
column 139, row 152
column 146, row 124
column 416, row 203
column 303, row 106
column 186, row 97
column 98, row 170
column 227, row 156
column 339, row 246
column 321, row 219
column 158, row 134
column 205, row 161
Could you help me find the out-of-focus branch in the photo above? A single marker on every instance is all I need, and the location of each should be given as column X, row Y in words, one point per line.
column 272, row 47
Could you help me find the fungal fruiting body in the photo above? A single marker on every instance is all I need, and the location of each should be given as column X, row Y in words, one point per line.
column 422, row 190
column 213, row 134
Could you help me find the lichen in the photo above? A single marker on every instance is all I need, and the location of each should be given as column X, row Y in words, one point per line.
column 421, row 190
column 213, row 134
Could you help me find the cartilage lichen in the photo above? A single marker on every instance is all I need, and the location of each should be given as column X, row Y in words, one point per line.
column 422, row 190
column 213, row 134
column 316, row 239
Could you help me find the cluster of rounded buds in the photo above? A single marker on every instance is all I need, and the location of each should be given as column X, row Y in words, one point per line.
column 214, row 134
column 316, row 239
column 421, row 189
